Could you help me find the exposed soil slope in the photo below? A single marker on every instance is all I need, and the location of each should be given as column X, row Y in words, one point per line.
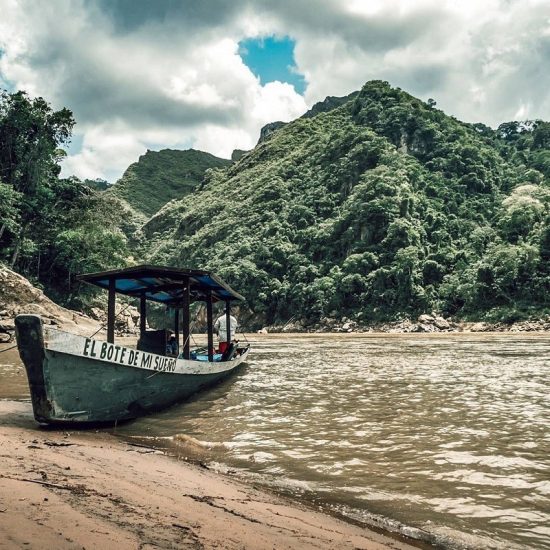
column 18, row 295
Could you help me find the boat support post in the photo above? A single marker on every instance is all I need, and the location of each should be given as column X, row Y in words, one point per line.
column 177, row 325
column 111, row 311
column 185, row 321
column 228, row 320
column 142, row 314
column 210, row 323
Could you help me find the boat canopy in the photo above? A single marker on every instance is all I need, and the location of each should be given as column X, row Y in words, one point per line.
column 164, row 284
column 173, row 287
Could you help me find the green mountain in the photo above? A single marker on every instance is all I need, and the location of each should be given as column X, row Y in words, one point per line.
column 372, row 206
column 377, row 206
column 160, row 176
column 98, row 184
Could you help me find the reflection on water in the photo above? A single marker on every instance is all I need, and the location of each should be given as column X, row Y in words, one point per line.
column 446, row 434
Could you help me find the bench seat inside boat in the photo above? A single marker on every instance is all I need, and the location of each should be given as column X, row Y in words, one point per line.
column 153, row 341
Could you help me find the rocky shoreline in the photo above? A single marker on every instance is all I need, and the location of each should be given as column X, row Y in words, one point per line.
column 18, row 295
column 426, row 323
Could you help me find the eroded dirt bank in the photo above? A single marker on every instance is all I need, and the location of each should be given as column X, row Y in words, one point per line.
column 18, row 295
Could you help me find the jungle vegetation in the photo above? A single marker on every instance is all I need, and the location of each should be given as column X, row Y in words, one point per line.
column 171, row 173
column 380, row 207
column 373, row 206
column 51, row 228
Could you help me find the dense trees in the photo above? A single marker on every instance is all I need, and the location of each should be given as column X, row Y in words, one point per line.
column 170, row 173
column 375, row 206
column 379, row 207
column 30, row 133
column 50, row 228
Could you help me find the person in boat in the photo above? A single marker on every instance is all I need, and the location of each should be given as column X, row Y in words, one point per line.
column 172, row 346
column 220, row 328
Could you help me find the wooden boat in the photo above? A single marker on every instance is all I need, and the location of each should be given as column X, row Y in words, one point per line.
column 75, row 379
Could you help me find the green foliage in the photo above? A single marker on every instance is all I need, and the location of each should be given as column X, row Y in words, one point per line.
column 50, row 228
column 30, row 134
column 9, row 210
column 160, row 176
column 524, row 211
column 378, row 205
column 374, row 206
column 98, row 183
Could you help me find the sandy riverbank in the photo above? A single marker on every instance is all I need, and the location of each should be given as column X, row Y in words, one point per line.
column 89, row 490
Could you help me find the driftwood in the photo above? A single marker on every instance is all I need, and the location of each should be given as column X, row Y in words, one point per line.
column 147, row 451
column 40, row 482
column 179, row 526
column 56, row 444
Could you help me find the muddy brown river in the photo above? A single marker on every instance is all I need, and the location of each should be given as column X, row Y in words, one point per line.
column 442, row 437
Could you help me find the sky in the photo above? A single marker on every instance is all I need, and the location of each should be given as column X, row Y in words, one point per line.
column 154, row 74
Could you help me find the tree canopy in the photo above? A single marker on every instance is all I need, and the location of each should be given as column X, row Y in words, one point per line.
column 50, row 227
column 377, row 207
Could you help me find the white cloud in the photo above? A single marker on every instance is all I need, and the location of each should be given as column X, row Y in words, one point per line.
column 480, row 60
column 140, row 74
column 104, row 147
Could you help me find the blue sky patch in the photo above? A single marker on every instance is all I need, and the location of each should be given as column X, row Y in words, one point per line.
column 75, row 146
column 271, row 58
column 4, row 83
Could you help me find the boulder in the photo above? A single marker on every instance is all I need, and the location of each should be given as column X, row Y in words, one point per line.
column 18, row 295
column 441, row 323
column 7, row 325
column 424, row 327
column 480, row 327
column 426, row 318
column 349, row 326
column 98, row 314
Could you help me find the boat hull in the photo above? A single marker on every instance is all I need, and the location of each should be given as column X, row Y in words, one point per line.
column 79, row 380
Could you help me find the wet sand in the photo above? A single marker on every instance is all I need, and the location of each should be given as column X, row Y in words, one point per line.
column 90, row 490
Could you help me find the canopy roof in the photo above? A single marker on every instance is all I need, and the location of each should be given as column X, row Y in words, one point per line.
column 163, row 284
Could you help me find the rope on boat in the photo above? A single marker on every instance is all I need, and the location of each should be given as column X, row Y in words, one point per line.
column 116, row 315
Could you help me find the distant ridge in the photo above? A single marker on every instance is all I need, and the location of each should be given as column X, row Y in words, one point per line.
column 328, row 104
column 160, row 176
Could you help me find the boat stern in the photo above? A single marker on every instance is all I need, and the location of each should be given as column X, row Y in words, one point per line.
column 29, row 333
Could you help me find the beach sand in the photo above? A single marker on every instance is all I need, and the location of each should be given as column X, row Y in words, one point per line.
column 84, row 489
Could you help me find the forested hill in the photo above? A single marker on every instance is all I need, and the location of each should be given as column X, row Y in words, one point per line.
column 373, row 206
column 160, row 176
column 382, row 206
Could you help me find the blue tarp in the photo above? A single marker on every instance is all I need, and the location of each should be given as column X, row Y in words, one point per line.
column 216, row 357
column 163, row 284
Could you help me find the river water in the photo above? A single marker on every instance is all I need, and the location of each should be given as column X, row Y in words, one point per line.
column 441, row 437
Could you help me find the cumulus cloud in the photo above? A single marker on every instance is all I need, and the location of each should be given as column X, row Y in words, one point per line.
column 140, row 74
column 481, row 61
column 156, row 78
